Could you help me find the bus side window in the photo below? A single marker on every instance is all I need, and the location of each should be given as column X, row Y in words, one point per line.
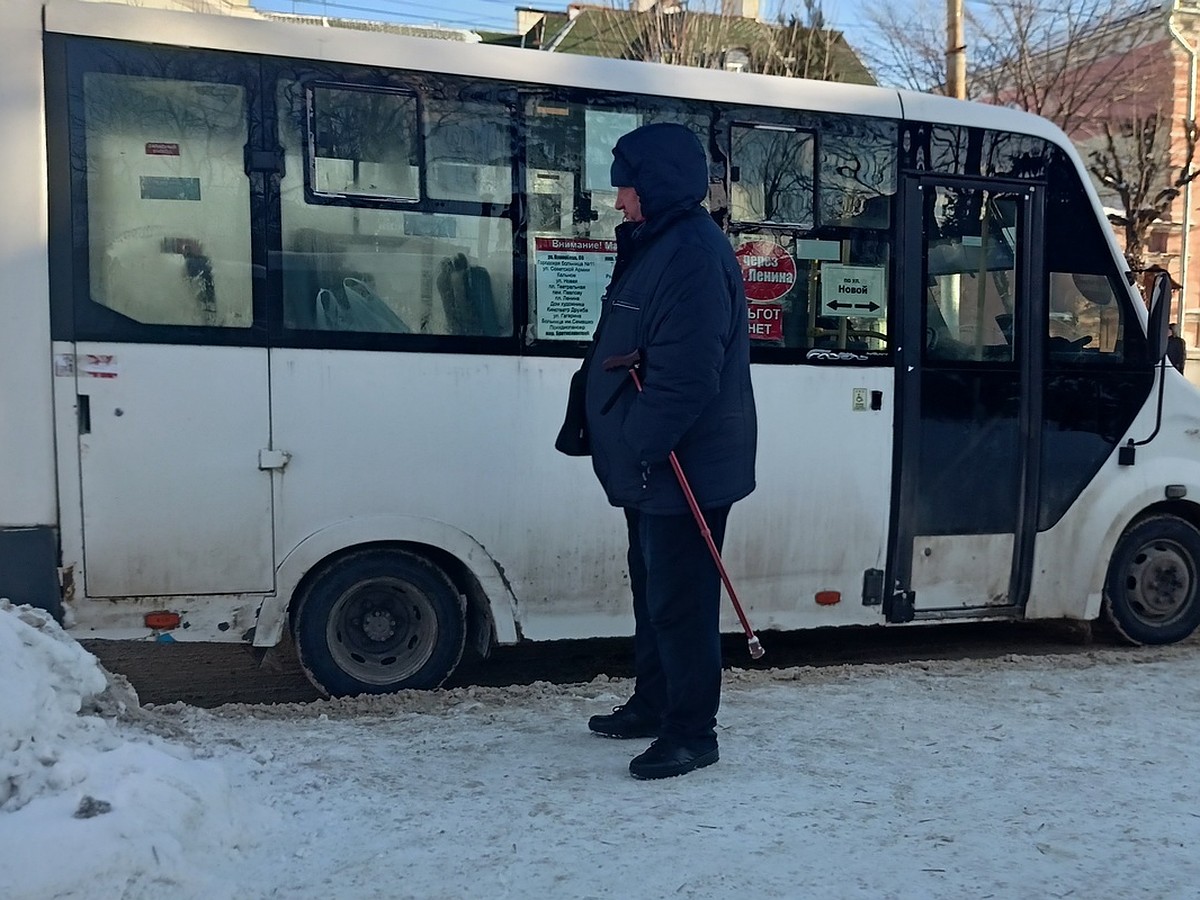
column 168, row 200
column 774, row 179
column 468, row 150
column 572, row 214
column 971, row 266
column 810, row 210
column 1091, row 319
column 1085, row 318
column 393, row 221
column 363, row 143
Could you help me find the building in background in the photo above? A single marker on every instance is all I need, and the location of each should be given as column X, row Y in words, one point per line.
column 1122, row 83
column 1141, row 148
column 727, row 35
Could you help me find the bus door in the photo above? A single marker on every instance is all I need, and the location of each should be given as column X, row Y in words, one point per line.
column 170, row 363
column 964, row 520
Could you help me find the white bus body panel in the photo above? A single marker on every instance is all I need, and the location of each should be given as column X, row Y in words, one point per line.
column 1071, row 559
column 27, row 496
column 818, row 523
column 451, row 460
column 957, row 571
column 173, row 499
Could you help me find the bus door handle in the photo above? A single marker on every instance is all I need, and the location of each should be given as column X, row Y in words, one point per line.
column 273, row 459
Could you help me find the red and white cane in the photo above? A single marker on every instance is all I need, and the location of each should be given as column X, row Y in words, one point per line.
column 756, row 648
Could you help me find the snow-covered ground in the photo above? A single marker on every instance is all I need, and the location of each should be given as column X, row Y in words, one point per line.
column 1020, row 777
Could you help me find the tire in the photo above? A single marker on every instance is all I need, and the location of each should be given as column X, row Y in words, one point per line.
column 379, row 621
column 1152, row 592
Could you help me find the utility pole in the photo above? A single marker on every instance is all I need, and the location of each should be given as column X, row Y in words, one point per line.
column 956, row 51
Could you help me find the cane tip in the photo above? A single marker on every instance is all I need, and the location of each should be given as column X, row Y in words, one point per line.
column 756, row 648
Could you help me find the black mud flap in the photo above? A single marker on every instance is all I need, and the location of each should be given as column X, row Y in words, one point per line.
column 901, row 606
column 872, row 594
column 29, row 568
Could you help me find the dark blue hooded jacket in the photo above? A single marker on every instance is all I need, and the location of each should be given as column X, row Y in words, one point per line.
column 676, row 296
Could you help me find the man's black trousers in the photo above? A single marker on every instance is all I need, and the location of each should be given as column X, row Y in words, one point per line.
column 676, row 606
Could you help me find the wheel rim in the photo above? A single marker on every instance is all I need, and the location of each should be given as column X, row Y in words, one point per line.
column 382, row 630
column 1159, row 582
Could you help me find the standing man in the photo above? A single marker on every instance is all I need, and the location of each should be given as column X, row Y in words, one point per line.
column 676, row 298
column 1176, row 347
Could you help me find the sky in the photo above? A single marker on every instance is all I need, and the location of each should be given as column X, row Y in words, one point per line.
column 851, row 16
column 1014, row 777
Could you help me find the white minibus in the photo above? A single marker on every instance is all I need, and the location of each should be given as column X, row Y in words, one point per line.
column 289, row 314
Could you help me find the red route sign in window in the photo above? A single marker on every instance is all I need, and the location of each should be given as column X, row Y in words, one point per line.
column 766, row 321
column 768, row 270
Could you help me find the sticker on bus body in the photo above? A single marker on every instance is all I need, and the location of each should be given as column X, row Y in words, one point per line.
column 98, row 365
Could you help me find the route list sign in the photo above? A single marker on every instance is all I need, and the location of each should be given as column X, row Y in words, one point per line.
column 572, row 274
column 852, row 291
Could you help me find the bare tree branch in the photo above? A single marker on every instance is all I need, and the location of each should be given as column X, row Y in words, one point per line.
column 1133, row 164
column 908, row 48
column 1070, row 62
column 703, row 33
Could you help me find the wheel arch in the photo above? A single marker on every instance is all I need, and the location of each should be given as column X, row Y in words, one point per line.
column 1186, row 509
column 490, row 602
column 1068, row 582
column 1150, row 590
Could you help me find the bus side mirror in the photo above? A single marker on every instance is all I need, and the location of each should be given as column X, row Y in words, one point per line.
column 1160, row 311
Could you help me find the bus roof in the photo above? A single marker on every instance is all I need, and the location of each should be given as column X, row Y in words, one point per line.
column 303, row 41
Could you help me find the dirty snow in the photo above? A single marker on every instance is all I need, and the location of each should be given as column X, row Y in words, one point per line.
column 1017, row 777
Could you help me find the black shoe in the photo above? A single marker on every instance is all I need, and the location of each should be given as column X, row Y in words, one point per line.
column 666, row 759
column 626, row 721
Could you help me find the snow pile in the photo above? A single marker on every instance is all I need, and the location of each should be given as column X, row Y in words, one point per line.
column 49, row 676
column 126, row 813
column 1012, row 778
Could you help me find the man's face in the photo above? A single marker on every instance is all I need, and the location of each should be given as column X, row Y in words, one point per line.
column 630, row 203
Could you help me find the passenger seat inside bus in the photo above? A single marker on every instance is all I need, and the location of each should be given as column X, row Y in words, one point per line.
column 321, row 293
column 467, row 300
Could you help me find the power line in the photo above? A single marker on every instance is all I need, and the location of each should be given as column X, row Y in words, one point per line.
column 325, row 7
column 446, row 13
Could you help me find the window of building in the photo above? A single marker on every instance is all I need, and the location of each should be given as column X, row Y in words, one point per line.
column 737, row 59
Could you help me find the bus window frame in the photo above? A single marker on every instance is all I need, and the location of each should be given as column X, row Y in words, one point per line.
column 75, row 315
column 306, row 73
column 352, row 198
column 261, row 78
column 731, row 163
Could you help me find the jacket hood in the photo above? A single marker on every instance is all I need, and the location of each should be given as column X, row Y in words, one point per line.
column 665, row 164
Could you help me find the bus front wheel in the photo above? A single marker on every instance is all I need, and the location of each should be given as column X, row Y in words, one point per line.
column 1152, row 593
column 379, row 620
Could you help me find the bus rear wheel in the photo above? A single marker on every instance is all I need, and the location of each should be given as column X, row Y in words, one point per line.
column 1152, row 593
column 377, row 621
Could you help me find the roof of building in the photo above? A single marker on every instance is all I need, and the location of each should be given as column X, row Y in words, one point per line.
column 616, row 33
column 424, row 31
